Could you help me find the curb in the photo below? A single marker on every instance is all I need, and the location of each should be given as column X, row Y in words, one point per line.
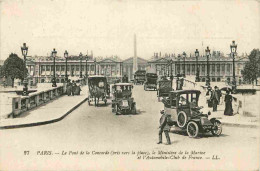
column 44, row 122
column 239, row 125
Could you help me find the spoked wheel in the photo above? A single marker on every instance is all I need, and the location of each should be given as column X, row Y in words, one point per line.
column 192, row 129
column 182, row 119
column 217, row 128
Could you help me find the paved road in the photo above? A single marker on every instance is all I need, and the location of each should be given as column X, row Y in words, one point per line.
column 96, row 129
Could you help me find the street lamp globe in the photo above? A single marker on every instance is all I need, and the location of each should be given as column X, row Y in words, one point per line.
column 54, row 53
column 207, row 51
column 24, row 49
column 197, row 53
column 233, row 47
column 66, row 54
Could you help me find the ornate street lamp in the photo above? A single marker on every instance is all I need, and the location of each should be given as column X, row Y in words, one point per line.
column 233, row 48
column 86, row 73
column 208, row 79
column 184, row 66
column 95, row 62
column 53, row 53
column 171, row 77
column 197, row 66
column 24, row 50
column 179, row 65
column 80, row 60
column 66, row 55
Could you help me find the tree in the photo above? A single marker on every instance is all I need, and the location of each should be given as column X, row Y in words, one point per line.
column 251, row 70
column 14, row 68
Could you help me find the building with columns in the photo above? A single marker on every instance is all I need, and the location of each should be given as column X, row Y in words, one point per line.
column 40, row 69
column 220, row 67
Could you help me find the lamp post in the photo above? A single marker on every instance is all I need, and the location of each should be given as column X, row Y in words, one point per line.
column 66, row 69
column 179, row 65
column 197, row 66
column 53, row 53
column 24, row 50
column 86, row 66
column 184, row 66
column 80, row 62
column 233, row 48
column 208, row 79
column 171, row 77
column 95, row 62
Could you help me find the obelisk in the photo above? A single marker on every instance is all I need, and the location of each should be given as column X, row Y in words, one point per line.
column 135, row 65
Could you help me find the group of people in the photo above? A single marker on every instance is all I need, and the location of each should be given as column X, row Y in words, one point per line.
column 214, row 99
column 73, row 88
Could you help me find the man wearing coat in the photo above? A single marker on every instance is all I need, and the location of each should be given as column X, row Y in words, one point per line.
column 215, row 99
column 164, row 127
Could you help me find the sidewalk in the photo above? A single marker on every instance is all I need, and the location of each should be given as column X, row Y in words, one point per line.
column 50, row 112
column 235, row 120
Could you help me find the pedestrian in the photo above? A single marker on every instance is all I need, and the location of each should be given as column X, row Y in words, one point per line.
column 77, row 88
column 69, row 88
column 164, row 127
column 73, row 87
column 228, row 104
column 219, row 94
column 215, row 99
column 208, row 95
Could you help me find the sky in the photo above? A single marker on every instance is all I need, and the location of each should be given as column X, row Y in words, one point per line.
column 108, row 27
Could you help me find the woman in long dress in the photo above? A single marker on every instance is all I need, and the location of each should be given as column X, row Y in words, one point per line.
column 228, row 104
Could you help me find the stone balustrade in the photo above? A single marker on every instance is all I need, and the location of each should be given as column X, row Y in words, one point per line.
column 24, row 103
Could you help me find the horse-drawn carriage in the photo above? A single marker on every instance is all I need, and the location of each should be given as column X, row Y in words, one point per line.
column 122, row 101
column 97, row 89
column 164, row 87
column 182, row 106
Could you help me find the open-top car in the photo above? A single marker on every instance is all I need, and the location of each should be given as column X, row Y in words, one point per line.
column 122, row 100
column 98, row 89
column 164, row 87
column 182, row 106
column 150, row 81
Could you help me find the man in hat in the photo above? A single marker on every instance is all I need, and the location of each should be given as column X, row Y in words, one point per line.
column 215, row 99
column 164, row 127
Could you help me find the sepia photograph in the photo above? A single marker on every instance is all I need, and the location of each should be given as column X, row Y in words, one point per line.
column 130, row 85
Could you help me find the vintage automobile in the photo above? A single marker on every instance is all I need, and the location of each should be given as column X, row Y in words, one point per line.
column 122, row 100
column 164, row 87
column 182, row 106
column 139, row 77
column 98, row 89
column 150, row 81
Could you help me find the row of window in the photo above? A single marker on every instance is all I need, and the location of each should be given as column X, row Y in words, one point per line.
column 191, row 68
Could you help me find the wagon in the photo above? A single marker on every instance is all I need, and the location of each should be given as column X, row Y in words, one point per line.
column 182, row 106
column 139, row 77
column 98, row 89
column 150, row 81
column 122, row 100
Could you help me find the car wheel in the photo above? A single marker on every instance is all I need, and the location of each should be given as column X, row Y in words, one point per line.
column 192, row 129
column 217, row 127
column 181, row 119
